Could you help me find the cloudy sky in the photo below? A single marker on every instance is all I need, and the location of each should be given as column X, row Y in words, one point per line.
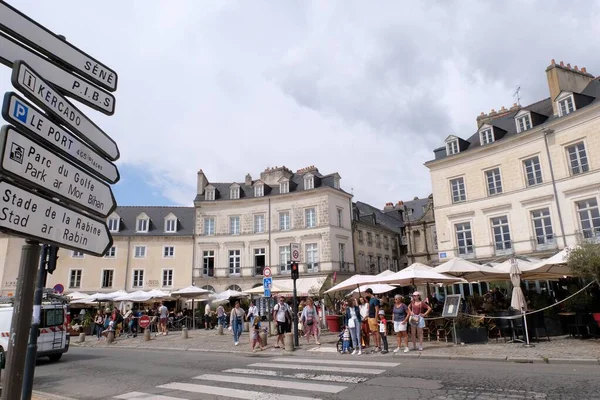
column 367, row 89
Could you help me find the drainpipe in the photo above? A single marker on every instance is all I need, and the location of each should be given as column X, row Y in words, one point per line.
column 425, row 238
column 127, row 264
column 547, row 132
column 193, row 255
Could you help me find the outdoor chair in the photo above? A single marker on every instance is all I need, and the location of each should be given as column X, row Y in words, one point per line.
column 579, row 325
column 503, row 325
column 517, row 324
column 538, row 321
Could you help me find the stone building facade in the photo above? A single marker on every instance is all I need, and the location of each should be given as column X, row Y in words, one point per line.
column 419, row 234
column 376, row 238
column 153, row 248
column 245, row 226
column 527, row 182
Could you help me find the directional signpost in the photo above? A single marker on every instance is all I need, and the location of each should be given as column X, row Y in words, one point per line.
column 21, row 157
column 267, row 284
column 40, row 128
column 55, row 163
column 295, row 259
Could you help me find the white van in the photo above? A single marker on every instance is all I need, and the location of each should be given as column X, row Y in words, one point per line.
column 53, row 335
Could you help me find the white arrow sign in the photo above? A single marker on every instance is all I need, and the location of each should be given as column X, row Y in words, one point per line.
column 30, row 32
column 22, row 114
column 41, row 93
column 32, row 216
column 72, row 85
column 29, row 162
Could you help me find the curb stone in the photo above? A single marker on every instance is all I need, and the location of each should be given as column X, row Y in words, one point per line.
column 585, row 361
column 525, row 360
column 47, row 396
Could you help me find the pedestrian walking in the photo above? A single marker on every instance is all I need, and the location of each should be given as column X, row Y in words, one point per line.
column 310, row 321
column 99, row 322
column 221, row 315
column 364, row 317
column 237, row 321
column 419, row 310
column 354, row 322
column 255, row 336
column 400, row 316
column 207, row 315
column 373, row 319
column 252, row 313
column 383, row 331
column 283, row 316
column 163, row 313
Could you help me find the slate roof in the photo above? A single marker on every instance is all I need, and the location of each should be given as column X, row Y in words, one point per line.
column 507, row 122
column 128, row 214
column 366, row 213
column 247, row 191
column 417, row 206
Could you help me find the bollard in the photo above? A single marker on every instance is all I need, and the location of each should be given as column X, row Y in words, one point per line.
column 184, row 333
column 81, row 337
column 273, row 328
column 110, row 337
column 263, row 338
column 288, row 341
column 220, row 329
column 147, row 334
column 246, row 327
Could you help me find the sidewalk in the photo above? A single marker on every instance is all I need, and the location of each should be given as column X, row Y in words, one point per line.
column 560, row 349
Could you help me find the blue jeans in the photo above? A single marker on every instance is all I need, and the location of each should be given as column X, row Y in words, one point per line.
column 355, row 335
column 99, row 329
column 237, row 329
column 221, row 320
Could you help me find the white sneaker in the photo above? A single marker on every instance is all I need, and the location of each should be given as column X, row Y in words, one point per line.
column 397, row 349
column 359, row 353
column 236, row 343
column 354, row 352
column 406, row 350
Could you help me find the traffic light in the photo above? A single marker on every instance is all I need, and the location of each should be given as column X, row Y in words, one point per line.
column 52, row 257
column 295, row 270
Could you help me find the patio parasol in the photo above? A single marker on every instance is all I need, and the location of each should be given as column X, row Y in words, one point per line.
column 414, row 275
column 518, row 301
column 555, row 265
column 468, row 270
column 354, row 281
column 191, row 292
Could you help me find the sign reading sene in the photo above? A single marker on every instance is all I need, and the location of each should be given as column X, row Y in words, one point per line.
column 27, row 118
column 37, row 36
column 31, row 84
column 32, row 163
column 72, row 85
column 31, row 216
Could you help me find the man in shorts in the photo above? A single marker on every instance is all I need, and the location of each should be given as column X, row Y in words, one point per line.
column 281, row 313
column 373, row 319
column 163, row 313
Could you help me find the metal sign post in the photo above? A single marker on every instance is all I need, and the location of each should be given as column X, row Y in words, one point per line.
column 451, row 310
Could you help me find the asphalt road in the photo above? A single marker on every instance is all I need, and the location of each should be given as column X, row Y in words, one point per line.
column 100, row 373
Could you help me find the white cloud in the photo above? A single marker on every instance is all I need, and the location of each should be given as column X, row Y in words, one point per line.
column 364, row 89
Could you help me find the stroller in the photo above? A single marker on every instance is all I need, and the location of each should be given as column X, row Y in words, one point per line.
column 340, row 343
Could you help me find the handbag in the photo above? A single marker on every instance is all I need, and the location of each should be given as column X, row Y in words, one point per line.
column 351, row 323
column 414, row 319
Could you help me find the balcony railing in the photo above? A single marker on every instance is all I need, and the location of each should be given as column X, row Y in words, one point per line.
column 591, row 235
column 544, row 242
column 503, row 248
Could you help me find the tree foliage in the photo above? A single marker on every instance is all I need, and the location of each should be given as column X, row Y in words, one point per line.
column 584, row 261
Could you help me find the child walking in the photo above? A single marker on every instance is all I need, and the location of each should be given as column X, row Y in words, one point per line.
column 346, row 341
column 383, row 331
column 255, row 334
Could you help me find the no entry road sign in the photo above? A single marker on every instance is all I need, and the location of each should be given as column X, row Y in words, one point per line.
column 32, row 216
column 33, row 164
column 35, row 35
column 144, row 321
column 41, row 93
column 39, row 127
column 71, row 85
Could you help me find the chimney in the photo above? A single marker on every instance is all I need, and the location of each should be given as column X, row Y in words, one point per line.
column 388, row 206
column 248, row 180
column 400, row 203
column 201, row 183
column 564, row 78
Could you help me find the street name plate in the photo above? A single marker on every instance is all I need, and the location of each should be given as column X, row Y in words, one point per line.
column 25, row 116
column 37, row 90
column 37, row 36
column 31, row 163
column 31, row 216
column 72, row 85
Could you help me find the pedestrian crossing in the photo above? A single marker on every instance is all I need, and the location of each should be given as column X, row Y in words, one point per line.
column 277, row 378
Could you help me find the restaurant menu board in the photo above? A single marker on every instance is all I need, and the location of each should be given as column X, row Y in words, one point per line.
column 451, row 306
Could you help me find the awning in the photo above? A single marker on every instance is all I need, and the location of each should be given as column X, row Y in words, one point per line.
column 304, row 286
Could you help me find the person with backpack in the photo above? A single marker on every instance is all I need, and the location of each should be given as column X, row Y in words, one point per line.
column 310, row 321
column 282, row 314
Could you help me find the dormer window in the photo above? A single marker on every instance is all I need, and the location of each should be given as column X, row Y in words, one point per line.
column 259, row 190
column 336, row 183
column 284, row 187
column 309, row 182
column 452, row 147
column 566, row 105
column 171, row 225
column 142, row 223
column 209, row 194
column 524, row 122
column 234, row 192
column 114, row 224
column 486, row 136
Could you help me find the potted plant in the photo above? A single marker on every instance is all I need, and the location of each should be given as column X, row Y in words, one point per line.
column 471, row 329
column 584, row 261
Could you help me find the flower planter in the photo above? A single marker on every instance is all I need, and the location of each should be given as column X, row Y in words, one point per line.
column 472, row 335
column 596, row 318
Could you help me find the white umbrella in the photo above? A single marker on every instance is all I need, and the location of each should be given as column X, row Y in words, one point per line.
column 377, row 288
column 518, row 301
column 275, row 288
column 530, row 271
column 107, row 296
column 555, row 265
column 414, row 277
column 351, row 283
column 417, row 266
column 136, row 297
column 78, row 296
column 469, row 270
column 229, row 294
column 192, row 292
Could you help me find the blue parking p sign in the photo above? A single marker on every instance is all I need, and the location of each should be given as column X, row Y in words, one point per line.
column 267, row 283
column 267, row 292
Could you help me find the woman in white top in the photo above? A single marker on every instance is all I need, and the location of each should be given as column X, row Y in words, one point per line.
column 310, row 320
column 252, row 313
column 364, row 317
